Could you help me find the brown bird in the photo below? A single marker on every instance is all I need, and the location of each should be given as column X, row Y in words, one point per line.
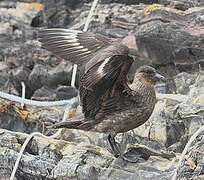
column 110, row 103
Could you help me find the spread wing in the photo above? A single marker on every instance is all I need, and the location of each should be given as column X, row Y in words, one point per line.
column 108, row 67
column 73, row 45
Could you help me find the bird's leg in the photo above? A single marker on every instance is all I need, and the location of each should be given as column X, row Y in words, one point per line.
column 114, row 145
column 129, row 156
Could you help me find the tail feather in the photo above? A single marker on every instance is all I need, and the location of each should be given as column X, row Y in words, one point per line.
column 78, row 122
column 67, row 124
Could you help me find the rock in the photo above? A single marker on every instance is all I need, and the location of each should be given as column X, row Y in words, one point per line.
column 61, row 93
column 129, row 2
column 20, row 75
column 65, row 92
column 42, row 75
column 176, row 117
column 14, row 118
column 17, row 21
column 54, row 159
column 162, row 125
column 180, row 5
column 169, row 30
column 192, row 166
column 169, row 36
column 183, row 82
column 59, row 75
column 8, row 4
column 38, row 74
column 108, row 16
column 59, row 13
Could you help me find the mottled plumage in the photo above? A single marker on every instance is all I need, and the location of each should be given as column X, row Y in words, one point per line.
column 109, row 102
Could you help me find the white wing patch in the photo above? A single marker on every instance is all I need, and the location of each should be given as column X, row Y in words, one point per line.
column 100, row 69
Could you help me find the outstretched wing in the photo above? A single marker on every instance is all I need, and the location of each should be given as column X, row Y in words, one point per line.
column 108, row 66
column 73, row 45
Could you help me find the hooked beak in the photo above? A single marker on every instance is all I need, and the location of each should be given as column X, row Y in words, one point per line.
column 159, row 77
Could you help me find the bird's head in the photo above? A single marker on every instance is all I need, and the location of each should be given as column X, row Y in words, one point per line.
column 149, row 75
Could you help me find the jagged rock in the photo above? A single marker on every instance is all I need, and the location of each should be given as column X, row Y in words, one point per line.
column 38, row 74
column 192, row 165
column 20, row 75
column 176, row 117
column 109, row 16
column 54, row 159
column 11, row 119
column 185, row 3
column 61, row 93
column 180, row 5
column 170, row 37
column 59, row 75
column 165, row 37
column 129, row 2
column 183, row 82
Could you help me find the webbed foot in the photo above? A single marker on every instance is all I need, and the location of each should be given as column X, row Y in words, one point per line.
column 130, row 156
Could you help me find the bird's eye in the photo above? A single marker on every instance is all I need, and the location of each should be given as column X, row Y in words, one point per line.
column 149, row 72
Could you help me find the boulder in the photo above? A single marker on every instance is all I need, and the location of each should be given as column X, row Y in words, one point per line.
column 54, row 159
column 165, row 37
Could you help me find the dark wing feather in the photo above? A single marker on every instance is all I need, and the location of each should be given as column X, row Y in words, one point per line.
column 99, row 79
column 73, row 45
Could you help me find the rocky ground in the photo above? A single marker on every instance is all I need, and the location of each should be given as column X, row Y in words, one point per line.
column 169, row 36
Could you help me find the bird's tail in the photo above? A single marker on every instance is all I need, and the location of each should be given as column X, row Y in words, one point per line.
column 77, row 122
column 67, row 124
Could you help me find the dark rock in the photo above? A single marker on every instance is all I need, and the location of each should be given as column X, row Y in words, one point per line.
column 59, row 75
column 129, row 2
column 65, row 92
column 44, row 94
column 57, row 13
column 11, row 120
column 38, row 74
column 180, row 5
column 20, row 75
column 61, row 93
column 165, row 37
column 38, row 20
column 54, row 159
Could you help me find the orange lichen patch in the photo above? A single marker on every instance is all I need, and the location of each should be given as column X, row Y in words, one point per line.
column 24, row 114
column 72, row 113
column 151, row 8
column 31, row 6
